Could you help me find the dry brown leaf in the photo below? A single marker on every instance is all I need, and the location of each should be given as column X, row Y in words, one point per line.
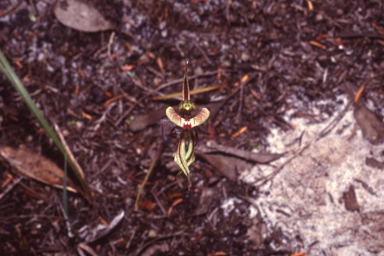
column 372, row 128
column 206, row 199
column 140, row 122
column 37, row 167
column 80, row 16
column 227, row 166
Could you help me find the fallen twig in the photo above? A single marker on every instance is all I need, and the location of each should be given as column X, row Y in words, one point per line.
column 242, row 84
column 262, row 157
column 176, row 81
column 68, row 224
column 10, row 187
column 149, row 172
column 332, row 124
column 110, row 44
column 159, row 203
column 139, row 250
column 217, row 109
column 12, row 8
column 203, row 53
column 193, row 92
column 126, row 113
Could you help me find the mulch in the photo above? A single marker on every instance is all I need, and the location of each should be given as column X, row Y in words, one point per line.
column 269, row 58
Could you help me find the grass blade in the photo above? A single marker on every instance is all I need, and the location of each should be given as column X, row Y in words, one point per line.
column 14, row 79
column 65, row 201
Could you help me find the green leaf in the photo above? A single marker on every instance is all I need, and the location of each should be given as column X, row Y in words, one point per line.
column 14, row 79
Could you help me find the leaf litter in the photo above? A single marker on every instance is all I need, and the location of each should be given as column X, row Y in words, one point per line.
column 36, row 166
column 81, row 16
column 294, row 67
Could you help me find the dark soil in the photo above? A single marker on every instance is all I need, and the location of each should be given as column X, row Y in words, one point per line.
column 291, row 55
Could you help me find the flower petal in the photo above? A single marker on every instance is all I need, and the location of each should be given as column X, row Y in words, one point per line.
column 200, row 118
column 185, row 90
column 190, row 153
column 191, row 159
column 180, row 156
column 174, row 117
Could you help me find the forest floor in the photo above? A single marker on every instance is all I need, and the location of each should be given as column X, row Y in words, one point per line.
column 268, row 169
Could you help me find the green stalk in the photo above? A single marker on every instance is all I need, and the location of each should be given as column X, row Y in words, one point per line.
column 14, row 79
column 65, row 200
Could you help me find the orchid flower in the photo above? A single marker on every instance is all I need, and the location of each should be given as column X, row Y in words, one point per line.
column 184, row 158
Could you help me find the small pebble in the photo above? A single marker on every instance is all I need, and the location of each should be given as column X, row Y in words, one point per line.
column 319, row 17
column 157, row 81
column 152, row 233
column 244, row 57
